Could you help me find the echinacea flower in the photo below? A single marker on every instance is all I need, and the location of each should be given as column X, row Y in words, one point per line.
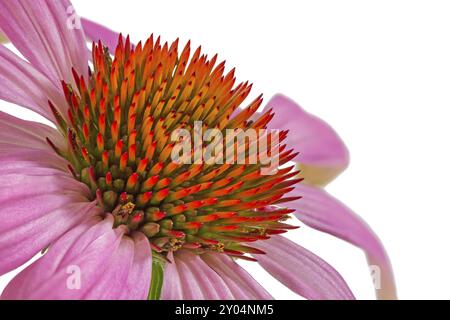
column 102, row 198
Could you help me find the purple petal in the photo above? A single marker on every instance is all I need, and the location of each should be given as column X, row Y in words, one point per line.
column 137, row 286
column 92, row 261
column 39, row 199
column 301, row 271
column 22, row 84
column 28, row 134
column 95, row 32
column 321, row 211
column 34, row 162
column 240, row 283
column 323, row 155
column 171, row 289
column 48, row 34
column 37, row 205
column 188, row 277
column 23, row 144
column 20, row 242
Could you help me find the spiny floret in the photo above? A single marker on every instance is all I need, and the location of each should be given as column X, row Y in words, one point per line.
column 120, row 123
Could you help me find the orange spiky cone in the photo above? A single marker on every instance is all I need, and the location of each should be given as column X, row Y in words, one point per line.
column 119, row 129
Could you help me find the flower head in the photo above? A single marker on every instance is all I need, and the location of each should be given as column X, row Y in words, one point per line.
column 120, row 122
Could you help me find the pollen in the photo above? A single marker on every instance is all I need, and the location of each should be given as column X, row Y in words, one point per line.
column 120, row 122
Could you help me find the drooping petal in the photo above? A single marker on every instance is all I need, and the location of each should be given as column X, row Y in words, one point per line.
column 22, row 84
column 24, row 145
column 28, row 134
column 323, row 212
column 137, row 285
column 301, row 271
column 171, row 289
column 48, row 34
column 20, row 242
column 37, row 205
column 92, row 261
column 323, row 155
column 188, row 277
column 18, row 160
column 39, row 199
column 95, row 32
column 239, row 281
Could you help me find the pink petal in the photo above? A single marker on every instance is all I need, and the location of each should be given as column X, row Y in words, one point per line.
column 22, row 84
column 28, row 134
column 188, row 277
column 20, row 186
column 301, row 271
column 39, row 199
column 171, row 289
column 321, row 211
column 40, row 31
column 19, row 160
column 37, row 205
column 95, row 32
column 23, row 144
column 138, row 285
column 323, row 155
column 23, row 241
column 111, row 265
column 239, row 281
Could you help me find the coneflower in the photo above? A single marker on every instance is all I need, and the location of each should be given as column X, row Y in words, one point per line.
column 119, row 138
column 114, row 215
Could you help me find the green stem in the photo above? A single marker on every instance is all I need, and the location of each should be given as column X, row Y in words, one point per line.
column 157, row 278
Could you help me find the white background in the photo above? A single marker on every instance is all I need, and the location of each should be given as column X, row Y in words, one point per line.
column 378, row 72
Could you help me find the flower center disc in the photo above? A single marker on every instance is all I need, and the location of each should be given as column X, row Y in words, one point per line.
column 119, row 137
